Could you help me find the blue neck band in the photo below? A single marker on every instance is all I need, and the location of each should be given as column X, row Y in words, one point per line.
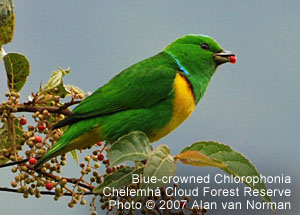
column 179, row 64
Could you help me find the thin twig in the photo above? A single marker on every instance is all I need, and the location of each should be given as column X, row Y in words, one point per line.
column 157, row 209
column 164, row 196
column 6, row 189
column 16, row 162
column 70, row 180
column 50, row 175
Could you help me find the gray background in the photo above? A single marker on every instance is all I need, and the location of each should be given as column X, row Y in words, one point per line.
column 252, row 106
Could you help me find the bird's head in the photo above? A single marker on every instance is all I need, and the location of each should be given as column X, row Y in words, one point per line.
column 199, row 50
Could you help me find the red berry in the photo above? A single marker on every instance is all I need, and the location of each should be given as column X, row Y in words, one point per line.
column 232, row 59
column 182, row 204
column 23, row 121
column 49, row 186
column 38, row 139
column 109, row 170
column 99, row 143
column 107, row 161
column 41, row 127
column 32, row 161
column 100, row 157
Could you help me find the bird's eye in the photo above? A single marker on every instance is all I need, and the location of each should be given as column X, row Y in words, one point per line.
column 205, row 46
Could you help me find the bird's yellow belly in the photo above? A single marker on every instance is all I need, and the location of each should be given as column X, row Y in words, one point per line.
column 183, row 106
column 85, row 140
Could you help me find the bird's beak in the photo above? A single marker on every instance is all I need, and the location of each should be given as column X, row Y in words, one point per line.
column 224, row 57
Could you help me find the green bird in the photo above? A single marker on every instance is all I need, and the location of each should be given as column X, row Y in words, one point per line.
column 153, row 96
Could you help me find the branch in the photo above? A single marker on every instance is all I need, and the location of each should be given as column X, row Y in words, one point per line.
column 33, row 109
column 75, row 181
column 16, row 162
column 6, row 189
column 27, row 107
column 70, row 180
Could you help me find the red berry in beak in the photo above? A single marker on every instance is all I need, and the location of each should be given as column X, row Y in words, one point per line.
column 232, row 59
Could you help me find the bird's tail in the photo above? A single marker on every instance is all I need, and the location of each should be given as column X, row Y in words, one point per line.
column 78, row 135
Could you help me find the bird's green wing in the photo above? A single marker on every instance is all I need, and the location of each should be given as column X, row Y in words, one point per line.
column 140, row 86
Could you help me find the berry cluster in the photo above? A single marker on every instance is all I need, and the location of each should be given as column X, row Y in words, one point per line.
column 32, row 138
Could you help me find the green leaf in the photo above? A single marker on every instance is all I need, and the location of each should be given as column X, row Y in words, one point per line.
column 7, row 139
column 55, row 84
column 17, row 69
column 74, row 155
column 70, row 88
column 160, row 164
column 237, row 165
column 7, row 21
column 118, row 179
column 131, row 147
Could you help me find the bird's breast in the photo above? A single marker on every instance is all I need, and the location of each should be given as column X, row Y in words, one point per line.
column 183, row 106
